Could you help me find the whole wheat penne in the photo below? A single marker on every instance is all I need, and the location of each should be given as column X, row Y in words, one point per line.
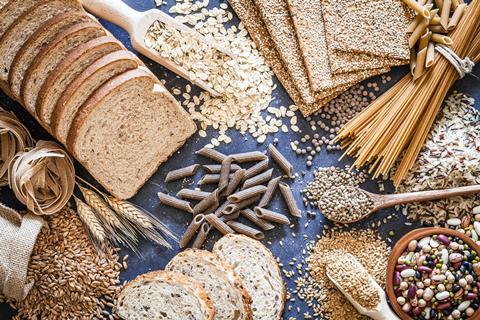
column 258, row 179
column 434, row 18
column 221, row 208
column 440, row 38
column 224, row 173
column 417, row 33
column 246, row 230
column 201, row 236
column 210, row 179
column 208, row 202
column 191, row 230
column 439, row 4
column 211, row 154
column 419, row 69
column 235, row 181
column 424, row 39
column 230, row 217
column 174, row 202
column 281, row 161
column 211, row 209
column 445, row 13
column 192, row 194
column 247, row 194
column 415, row 22
column 413, row 62
column 455, row 4
column 437, row 29
column 457, row 15
column 268, row 195
column 289, row 200
column 216, row 168
column 430, row 55
column 218, row 224
column 234, row 207
column 273, row 216
column 257, row 169
column 181, row 173
column 417, row 7
column 249, row 156
column 252, row 216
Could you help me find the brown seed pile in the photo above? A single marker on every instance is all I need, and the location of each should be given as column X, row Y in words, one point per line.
column 344, row 269
column 71, row 280
column 345, row 204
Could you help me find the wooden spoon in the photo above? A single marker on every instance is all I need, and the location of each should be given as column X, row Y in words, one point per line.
column 137, row 23
column 382, row 201
column 381, row 312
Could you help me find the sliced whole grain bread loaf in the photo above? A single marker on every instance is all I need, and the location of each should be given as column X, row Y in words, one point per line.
column 130, row 115
column 260, row 273
column 71, row 66
column 37, row 41
column 226, row 290
column 29, row 22
column 49, row 57
column 164, row 295
column 78, row 91
column 12, row 9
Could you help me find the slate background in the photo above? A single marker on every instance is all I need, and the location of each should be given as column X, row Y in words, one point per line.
column 154, row 257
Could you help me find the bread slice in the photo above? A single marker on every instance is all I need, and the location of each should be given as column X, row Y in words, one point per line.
column 19, row 32
column 11, row 10
column 229, row 296
column 130, row 115
column 164, row 295
column 37, row 41
column 71, row 66
column 260, row 273
column 49, row 57
column 78, row 91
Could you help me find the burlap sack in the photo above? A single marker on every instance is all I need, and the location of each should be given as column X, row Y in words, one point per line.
column 17, row 237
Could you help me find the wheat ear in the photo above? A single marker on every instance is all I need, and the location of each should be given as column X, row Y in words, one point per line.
column 92, row 225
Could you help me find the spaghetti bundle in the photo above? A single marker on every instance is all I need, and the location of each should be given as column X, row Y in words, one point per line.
column 400, row 120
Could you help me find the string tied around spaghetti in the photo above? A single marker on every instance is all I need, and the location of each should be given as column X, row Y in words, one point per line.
column 463, row 66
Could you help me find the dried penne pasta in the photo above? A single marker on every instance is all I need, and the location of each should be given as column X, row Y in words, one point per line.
column 415, row 22
column 268, row 195
column 435, row 18
column 215, row 168
column 269, row 215
column 437, row 29
column 445, row 13
column 417, row 33
column 181, row 173
column 257, row 169
column 210, row 179
column 413, row 62
column 421, row 57
column 174, row 202
column 457, row 15
column 424, row 39
column 249, row 156
column 230, row 217
column 258, row 179
column 234, row 207
column 208, row 202
column 221, row 208
column 211, row 154
column 439, row 4
column 430, row 55
column 236, row 180
column 252, row 216
column 218, row 224
column 247, row 194
column 417, row 7
column 201, row 236
column 290, row 200
column 455, row 4
column 281, row 161
column 191, row 230
column 246, row 230
column 224, row 173
column 211, row 209
column 439, row 38
column 190, row 194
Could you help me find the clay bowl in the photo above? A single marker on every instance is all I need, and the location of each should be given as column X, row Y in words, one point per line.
column 401, row 245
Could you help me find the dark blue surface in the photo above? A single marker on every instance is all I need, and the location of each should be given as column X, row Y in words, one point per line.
column 154, row 257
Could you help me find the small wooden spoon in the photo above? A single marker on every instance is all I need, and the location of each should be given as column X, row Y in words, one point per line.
column 382, row 201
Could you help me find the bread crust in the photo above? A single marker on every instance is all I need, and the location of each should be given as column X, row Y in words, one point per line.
column 71, row 57
column 172, row 277
column 230, row 273
column 91, row 71
column 271, row 258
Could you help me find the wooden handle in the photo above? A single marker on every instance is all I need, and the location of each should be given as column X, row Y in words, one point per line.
column 115, row 11
column 386, row 201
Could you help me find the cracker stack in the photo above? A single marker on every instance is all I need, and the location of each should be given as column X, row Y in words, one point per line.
column 318, row 49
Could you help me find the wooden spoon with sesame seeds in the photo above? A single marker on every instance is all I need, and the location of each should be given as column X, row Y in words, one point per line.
column 137, row 24
column 382, row 201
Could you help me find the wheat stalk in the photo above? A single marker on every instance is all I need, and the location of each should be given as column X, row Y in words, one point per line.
column 92, row 225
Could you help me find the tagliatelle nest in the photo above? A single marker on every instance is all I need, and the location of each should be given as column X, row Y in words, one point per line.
column 14, row 137
column 42, row 178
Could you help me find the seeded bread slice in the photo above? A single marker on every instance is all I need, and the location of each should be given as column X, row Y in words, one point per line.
column 37, row 41
column 29, row 22
column 229, row 296
column 49, row 57
column 164, row 295
column 260, row 273
column 78, row 91
column 71, row 66
column 128, row 116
